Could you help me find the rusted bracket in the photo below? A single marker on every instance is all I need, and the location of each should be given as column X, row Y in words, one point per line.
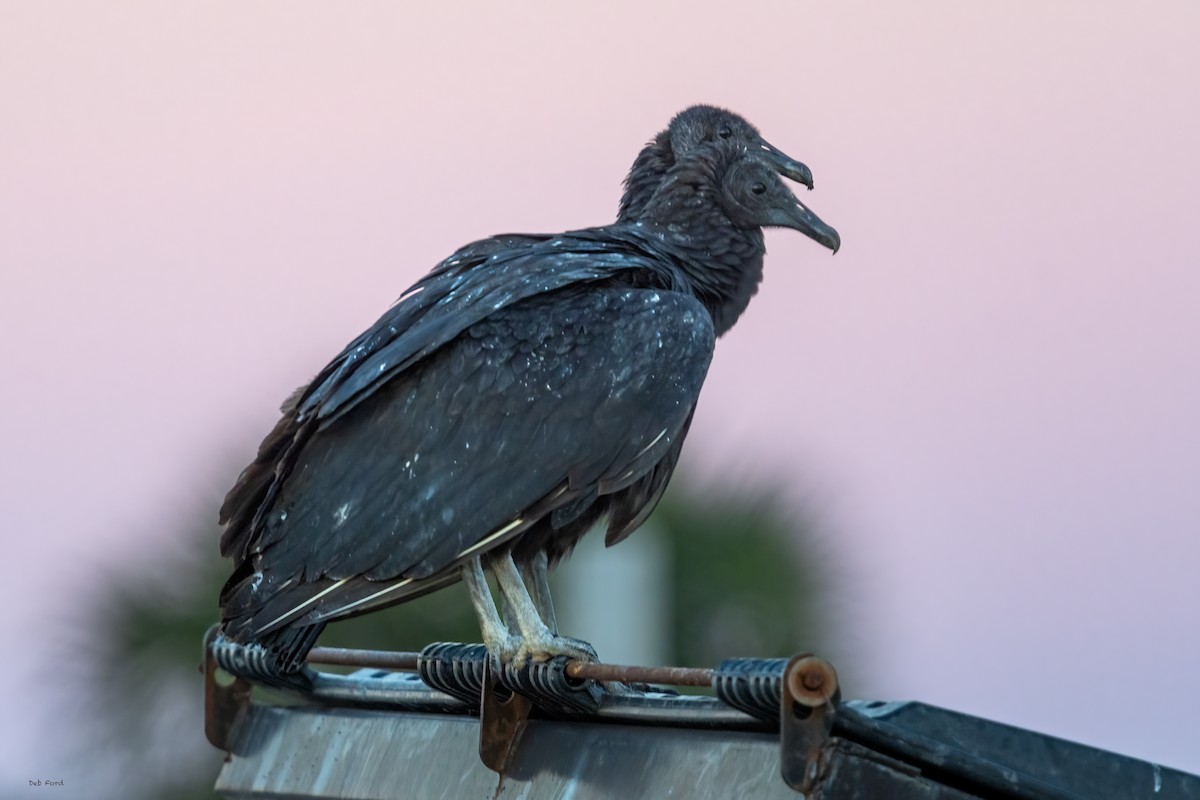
column 226, row 699
column 503, row 715
column 808, row 700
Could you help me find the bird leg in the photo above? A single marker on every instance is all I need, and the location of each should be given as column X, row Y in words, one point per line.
column 536, row 574
column 537, row 642
column 496, row 635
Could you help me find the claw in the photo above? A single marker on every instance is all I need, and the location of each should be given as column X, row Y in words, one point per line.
column 504, row 649
column 522, row 637
column 544, row 648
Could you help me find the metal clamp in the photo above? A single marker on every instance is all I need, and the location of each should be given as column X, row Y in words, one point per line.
column 506, row 696
column 225, row 704
column 503, row 715
column 807, row 703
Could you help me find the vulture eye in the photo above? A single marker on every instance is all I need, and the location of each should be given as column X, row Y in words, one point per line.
column 725, row 132
column 759, row 188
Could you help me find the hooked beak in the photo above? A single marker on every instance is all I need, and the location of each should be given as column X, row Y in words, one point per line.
column 786, row 165
column 798, row 217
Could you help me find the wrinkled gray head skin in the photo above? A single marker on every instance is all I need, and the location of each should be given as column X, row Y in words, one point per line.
column 754, row 197
column 721, row 186
column 688, row 130
column 710, row 211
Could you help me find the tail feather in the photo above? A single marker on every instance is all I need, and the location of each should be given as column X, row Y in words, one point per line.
column 243, row 505
column 293, row 646
column 277, row 660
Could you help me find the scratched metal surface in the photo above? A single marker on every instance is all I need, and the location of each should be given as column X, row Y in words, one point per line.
column 395, row 741
column 371, row 755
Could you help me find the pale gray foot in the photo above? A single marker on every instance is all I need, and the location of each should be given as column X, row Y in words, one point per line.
column 537, row 642
column 497, row 637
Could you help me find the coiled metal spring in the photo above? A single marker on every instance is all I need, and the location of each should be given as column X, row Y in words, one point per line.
column 453, row 668
column 457, row 669
column 257, row 663
column 752, row 685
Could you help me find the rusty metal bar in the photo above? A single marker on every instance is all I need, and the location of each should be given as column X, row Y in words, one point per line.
column 380, row 659
column 674, row 676
column 578, row 670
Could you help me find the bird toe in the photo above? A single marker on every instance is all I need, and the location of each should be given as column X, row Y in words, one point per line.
column 551, row 646
column 505, row 650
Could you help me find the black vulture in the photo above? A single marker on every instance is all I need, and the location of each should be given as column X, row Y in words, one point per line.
column 688, row 129
column 509, row 402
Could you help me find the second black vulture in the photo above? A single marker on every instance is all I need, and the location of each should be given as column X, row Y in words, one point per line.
column 501, row 409
column 687, row 130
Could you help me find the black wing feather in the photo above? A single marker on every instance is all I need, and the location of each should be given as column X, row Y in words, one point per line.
column 506, row 278
column 432, row 312
column 564, row 392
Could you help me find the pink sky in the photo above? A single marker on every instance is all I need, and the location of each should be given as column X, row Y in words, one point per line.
column 993, row 389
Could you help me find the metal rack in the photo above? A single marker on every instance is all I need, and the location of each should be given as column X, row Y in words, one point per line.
column 771, row 727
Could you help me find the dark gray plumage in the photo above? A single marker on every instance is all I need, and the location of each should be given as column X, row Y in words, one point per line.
column 687, row 130
column 510, row 401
